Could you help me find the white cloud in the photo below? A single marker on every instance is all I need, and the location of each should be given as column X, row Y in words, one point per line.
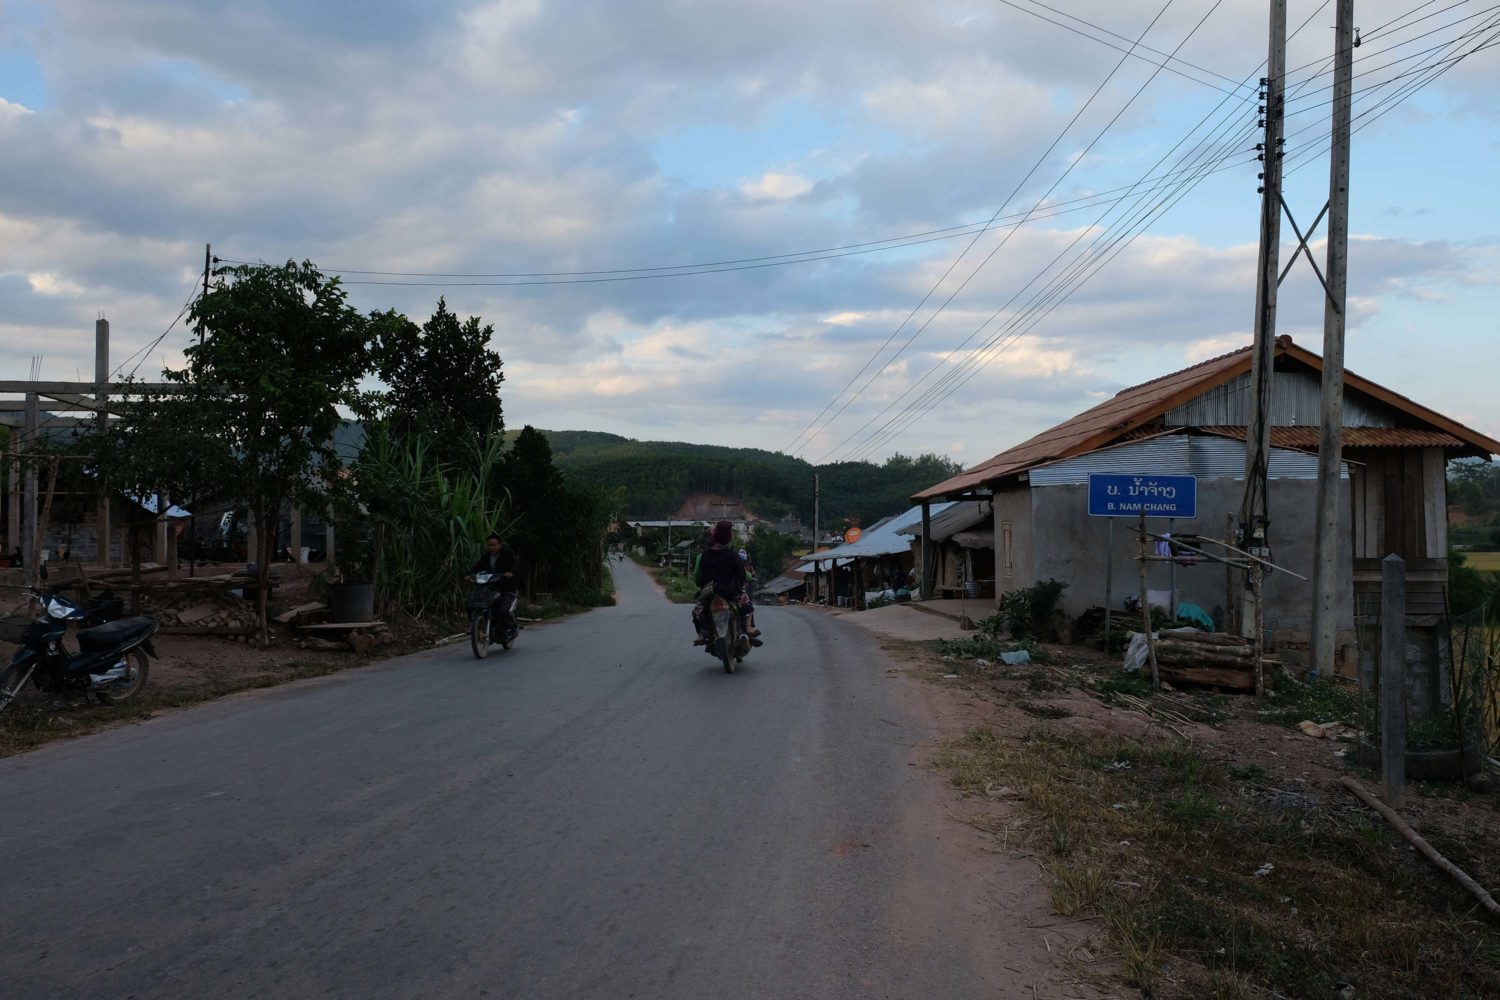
column 776, row 185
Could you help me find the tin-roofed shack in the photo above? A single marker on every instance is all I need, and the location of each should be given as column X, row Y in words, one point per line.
column 1193, row 422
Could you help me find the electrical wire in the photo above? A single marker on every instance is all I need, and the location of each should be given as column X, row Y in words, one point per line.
column 812, row 427
column 912, row 414
column 144, row 352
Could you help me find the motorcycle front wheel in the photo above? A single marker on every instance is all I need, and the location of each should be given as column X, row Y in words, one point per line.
column 479, row 635
column 140, row 668
column 11, row 680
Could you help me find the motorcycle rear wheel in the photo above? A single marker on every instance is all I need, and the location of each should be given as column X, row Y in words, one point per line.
column 726, row 653
column 479, row 635
column 129, row 691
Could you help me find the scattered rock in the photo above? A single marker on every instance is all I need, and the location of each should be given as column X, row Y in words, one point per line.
column 301, row 614
column 196, row 614
column 325, row 645
column 386, row 638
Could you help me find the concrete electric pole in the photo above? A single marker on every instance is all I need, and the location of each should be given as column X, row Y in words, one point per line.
column 1254, row 508
column 1326, row 568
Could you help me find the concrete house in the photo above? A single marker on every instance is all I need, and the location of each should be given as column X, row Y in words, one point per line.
column 1193, row 422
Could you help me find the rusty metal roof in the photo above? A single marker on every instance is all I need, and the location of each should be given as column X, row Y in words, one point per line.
column 1137, row 407
column 1307, row 438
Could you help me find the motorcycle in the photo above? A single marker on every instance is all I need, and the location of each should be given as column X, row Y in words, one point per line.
column 727, row 639
column 112, row 662
column 492, row 617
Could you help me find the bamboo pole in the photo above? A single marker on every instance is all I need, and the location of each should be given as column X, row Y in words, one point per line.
column 1146, row 609
column 1428, row 851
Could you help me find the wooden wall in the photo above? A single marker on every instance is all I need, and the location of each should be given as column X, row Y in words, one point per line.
column 1400, row 502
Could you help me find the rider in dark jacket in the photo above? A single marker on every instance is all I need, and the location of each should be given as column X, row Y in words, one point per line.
column 720, row 568
column 501, row 562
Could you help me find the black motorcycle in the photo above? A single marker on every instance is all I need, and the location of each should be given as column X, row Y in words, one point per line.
column 111, row 663
column 728, row 641
column 492, row 617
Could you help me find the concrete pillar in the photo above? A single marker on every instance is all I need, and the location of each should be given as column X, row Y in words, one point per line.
column 160, row 531
column 13, row 489
column 328, row 553
column 101, row 402
column 252, row 539
column 28, row 482
column 294, row 534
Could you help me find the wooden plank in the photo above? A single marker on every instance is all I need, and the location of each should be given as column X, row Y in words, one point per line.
column 1412, row 493
column 1224, row 677
column 1435, row 478
column 339, row 626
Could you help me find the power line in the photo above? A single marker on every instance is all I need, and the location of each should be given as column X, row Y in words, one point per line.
column 915, row 410
column 144, row 352
column 810, row 428
column 1161, row 65
column 880, row 438
column 1075, row 161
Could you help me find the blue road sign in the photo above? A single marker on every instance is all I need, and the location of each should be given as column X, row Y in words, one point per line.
column 1126, row 496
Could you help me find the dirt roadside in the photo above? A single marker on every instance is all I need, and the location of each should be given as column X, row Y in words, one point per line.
column 1201, row 846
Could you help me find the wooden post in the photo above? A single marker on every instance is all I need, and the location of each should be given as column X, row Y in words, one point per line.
column 1328, row 575
column 859, row 584
column 1109, row 580
column 1231, row 598
column 252, row 538
column 927, row 562
column 1257, row 593
column 1146, row 609
column 1393, row 679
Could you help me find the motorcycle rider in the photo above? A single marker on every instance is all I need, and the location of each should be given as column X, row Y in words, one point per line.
column 720, row 573
column 500, row 563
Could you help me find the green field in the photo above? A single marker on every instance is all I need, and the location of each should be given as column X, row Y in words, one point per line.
column 1484, row 561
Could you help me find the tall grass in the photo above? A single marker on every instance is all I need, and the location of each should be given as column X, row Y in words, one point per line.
column 427, row 521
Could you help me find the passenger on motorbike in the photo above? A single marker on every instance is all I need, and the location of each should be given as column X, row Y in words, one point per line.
column 720, row 573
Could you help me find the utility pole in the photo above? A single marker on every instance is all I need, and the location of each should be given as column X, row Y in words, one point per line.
column 101, row 402
column 817, row 499
column 1254, row 508
column 207, row 269
column 1326, row 575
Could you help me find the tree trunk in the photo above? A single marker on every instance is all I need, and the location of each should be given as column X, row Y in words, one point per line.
column 266, row 544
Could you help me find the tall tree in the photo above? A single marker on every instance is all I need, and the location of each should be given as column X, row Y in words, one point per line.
column 251, row 416
column 443, row 377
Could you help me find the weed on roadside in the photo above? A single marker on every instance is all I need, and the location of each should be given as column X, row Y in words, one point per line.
column 1213, row 883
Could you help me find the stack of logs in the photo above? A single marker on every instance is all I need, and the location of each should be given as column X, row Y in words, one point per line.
column 1210, row 659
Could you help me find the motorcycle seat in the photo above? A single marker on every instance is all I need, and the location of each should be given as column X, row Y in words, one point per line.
column 116, row 633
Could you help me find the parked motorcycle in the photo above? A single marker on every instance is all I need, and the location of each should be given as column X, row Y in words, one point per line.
column 492, row 617
column 112, row 662
column 727, row 639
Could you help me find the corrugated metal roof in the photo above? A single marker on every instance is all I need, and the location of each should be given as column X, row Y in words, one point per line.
column 1354, row 437
column 1134, row 408
column 1180, row 454
column 881, row 539
column 961, row 515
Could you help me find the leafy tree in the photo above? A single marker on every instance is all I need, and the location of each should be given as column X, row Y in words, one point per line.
column 443, row 379
column 768, row 549
column 252, row 414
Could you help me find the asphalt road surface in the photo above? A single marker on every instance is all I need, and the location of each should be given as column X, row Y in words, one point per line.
column 599, row 812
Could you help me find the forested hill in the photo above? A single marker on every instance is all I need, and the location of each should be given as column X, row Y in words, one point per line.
column 659, row 475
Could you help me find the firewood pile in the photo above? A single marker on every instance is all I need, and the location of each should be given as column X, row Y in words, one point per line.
column 1205, row 659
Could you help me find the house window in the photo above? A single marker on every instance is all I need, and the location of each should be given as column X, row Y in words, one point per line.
column 1005, row 539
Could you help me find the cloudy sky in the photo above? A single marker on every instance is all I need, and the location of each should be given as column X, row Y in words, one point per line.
column 583, row 151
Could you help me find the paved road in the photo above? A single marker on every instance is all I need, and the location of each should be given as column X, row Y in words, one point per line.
column 600, row 812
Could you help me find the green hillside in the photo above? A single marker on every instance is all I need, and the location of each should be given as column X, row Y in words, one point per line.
column 658, row 475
